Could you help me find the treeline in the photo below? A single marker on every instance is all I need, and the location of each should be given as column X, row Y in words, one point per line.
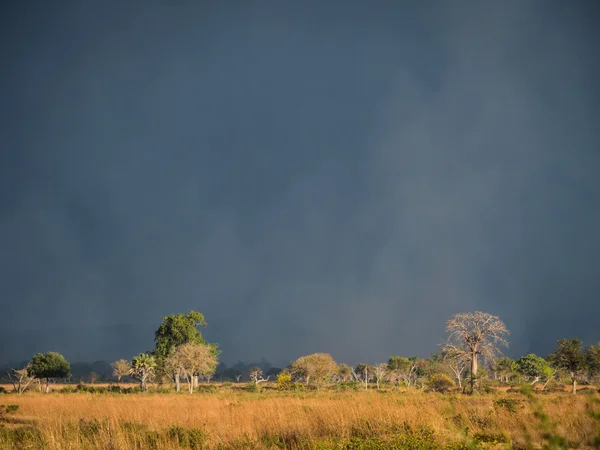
column 469, row 361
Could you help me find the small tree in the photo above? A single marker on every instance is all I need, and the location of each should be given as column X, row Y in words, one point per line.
column 121, row 368
column 47, row 366
column 344, row 372
column 592, row 357
column 532, row 367
column 318, row 367
column 142, row 368
column 255, row 374
column 504, row 367
column 570, row 357
column 455, row 362
column 193, row 360
column 20, row 379
column 379, row 372
column 476, row 334
column 402, row 368
column 364, row 373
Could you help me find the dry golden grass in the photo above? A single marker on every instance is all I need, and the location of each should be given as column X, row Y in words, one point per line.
column 251, row 420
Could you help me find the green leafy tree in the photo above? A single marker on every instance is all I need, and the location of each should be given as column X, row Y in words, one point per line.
column 570, row 357
column 504, row 367
column 142, row 368
column 592, row 356
column 532, row 367
column 176, row 330
column 49, row 365
column 402, row 368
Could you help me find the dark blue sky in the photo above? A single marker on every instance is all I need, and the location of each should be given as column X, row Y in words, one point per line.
column 312, row 176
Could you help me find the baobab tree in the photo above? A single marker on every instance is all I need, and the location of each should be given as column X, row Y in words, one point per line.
column 475, row 334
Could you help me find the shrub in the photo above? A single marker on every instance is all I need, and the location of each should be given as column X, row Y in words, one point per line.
column 440, row 382
column 510, row 404
column 284, row 381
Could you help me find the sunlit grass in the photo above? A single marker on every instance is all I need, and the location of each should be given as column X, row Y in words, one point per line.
column 237, row 419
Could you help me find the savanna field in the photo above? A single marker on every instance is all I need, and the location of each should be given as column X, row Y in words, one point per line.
column 231, row 417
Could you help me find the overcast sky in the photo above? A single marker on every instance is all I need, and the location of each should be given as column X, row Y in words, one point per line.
column 327, row 176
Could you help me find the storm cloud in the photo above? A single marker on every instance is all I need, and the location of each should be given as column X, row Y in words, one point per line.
column 312, row 176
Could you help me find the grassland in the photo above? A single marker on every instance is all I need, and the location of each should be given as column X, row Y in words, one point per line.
column 354, row 419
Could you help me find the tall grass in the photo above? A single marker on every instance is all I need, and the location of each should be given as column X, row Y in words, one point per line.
column 325, row 419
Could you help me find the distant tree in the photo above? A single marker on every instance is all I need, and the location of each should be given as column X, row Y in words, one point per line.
column 476, row 334
column 344, row 372
column 255, row 373
column 273, row 372
column 533, row 367
column 592, row 356
column 232, row 374
column 142, row 368
column 402, row 368
column 49, row 365
column 20, row 379
column 570, row 357
column 176, row 330
column 504, row 367
column 364, row 373
column 318, row 367
column 379, row 372
column 192, row 360
column 121, row 368
column 455, row 362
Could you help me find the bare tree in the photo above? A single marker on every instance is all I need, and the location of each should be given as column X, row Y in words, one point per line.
column 20, row 379
column 121, row 368
column 363, row 373
column 456, row 362
column 474, row 334
column 193, row 360
column 256, row 375
column 402, row 368
column 379, row 372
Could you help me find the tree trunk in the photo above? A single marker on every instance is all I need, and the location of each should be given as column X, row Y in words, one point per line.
column 177, row 382
column 195, row 380
column 47, row 385
column 574, row 384
column 473, row 369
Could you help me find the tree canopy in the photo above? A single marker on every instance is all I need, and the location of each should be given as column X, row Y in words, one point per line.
column 49, row 365
column 178, row 329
